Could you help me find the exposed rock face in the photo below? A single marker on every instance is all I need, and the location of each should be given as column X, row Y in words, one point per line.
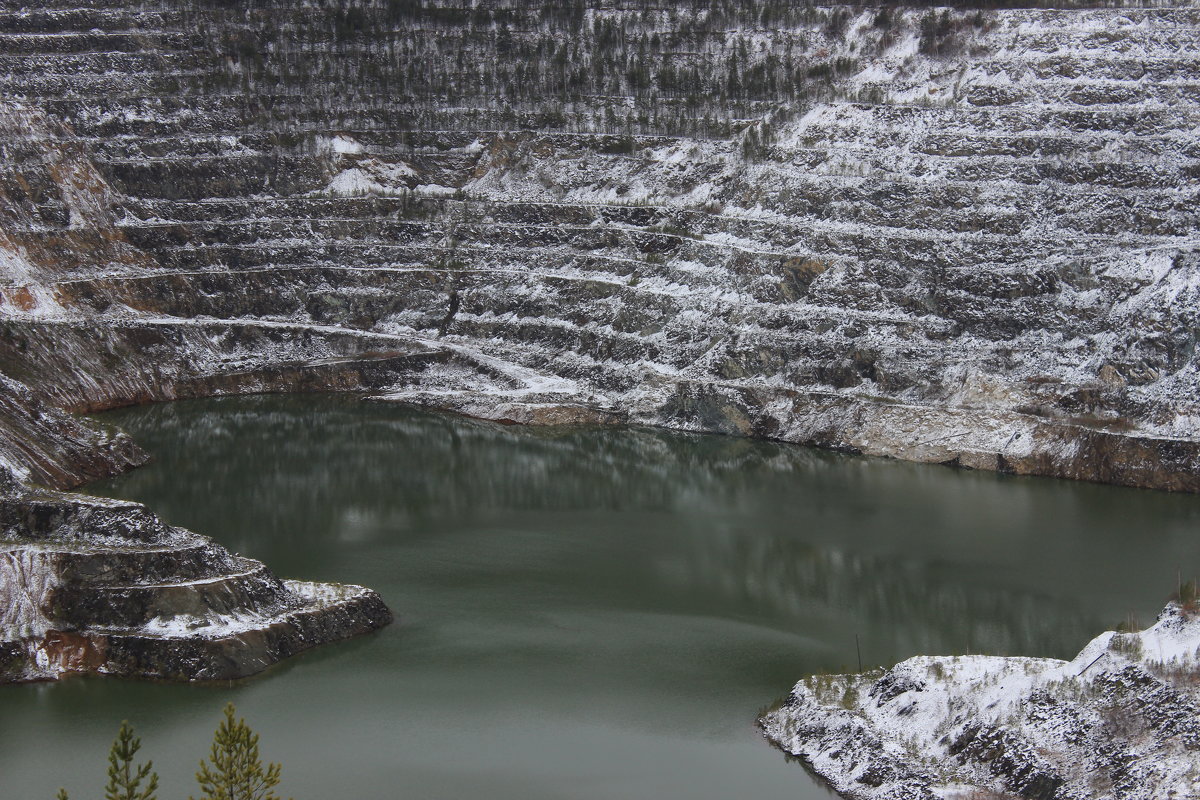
column 953, row 237
column 98, row 586
column 46, row 446
column 961, row 237
column 1121, row 720
column 89, row 585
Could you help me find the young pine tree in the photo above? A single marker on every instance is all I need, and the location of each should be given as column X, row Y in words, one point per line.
column 236, row 771
column 125, row 781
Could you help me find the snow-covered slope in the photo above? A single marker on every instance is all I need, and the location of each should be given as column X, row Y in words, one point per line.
column 1121, row 720
column 950, row 236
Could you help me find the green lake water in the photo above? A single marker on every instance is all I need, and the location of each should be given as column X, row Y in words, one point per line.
column 583, row 613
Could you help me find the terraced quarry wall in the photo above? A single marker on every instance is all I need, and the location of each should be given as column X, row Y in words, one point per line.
column 960, row 236
column 947, row 235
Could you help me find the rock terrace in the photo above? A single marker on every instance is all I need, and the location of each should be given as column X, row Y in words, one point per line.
column 959, row 236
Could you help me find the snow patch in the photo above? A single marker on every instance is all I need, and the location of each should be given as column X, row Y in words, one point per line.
column 344, row 145
column 371, row 177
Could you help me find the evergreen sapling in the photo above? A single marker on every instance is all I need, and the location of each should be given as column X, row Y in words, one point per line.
column 236, row 771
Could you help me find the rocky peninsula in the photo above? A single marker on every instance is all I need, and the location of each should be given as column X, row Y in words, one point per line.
column 103, row 586
column 1121, row 720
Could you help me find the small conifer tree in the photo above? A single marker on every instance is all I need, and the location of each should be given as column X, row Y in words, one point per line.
column 126, row 782
column 236, row 771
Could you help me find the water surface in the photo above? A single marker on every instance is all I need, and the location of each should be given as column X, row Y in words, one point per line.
column 584, row 613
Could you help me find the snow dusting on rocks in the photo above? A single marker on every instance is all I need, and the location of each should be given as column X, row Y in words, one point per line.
column 104, row 586
column 1121, row 721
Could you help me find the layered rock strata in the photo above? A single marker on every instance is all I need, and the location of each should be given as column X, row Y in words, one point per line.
column 958, row 236
column 1121, row 720
column 99, row 586
column 948, row 236
column 90, row 585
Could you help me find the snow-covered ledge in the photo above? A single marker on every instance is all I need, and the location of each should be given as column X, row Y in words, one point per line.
column 1120, row 721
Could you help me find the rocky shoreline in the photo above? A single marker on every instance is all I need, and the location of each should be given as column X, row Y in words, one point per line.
column 976, row 249
column 967, row 238
column 101, row 586
column 1121, row 720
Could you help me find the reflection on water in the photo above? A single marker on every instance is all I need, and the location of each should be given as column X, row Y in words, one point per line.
column 595, row 613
